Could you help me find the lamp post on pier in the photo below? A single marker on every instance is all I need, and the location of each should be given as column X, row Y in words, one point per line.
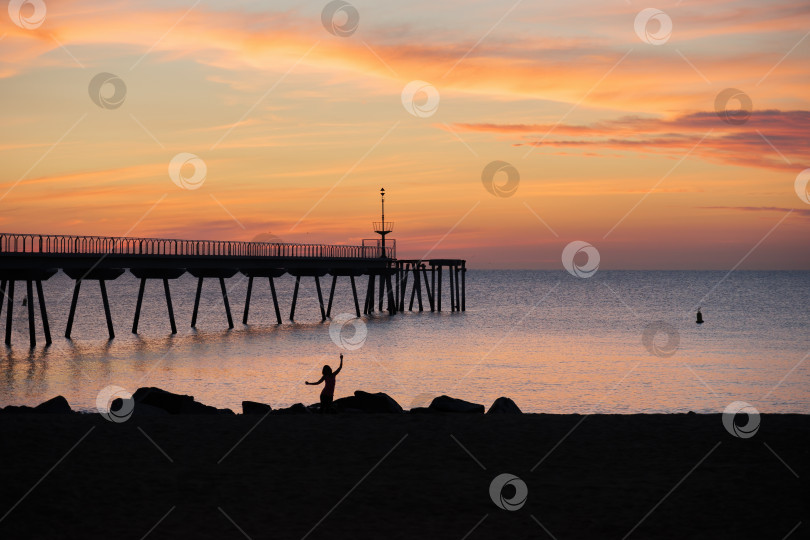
column 382, row 227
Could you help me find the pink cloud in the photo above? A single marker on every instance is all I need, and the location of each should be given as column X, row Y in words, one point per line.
column 744, row 145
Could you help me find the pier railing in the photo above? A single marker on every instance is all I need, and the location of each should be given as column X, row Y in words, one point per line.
column 74, row 245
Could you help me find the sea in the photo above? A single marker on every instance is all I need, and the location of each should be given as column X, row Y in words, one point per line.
column 618, row 342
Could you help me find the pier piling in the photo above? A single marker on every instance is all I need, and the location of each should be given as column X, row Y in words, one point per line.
column 138, row 304
column 295, row 297
column 275, row 299
column 29, row 289
column 69, row 328
column 450, row 277
column 392, row 303
column 225, row 301
column 102, row 275
column 320, row 298
column 43, row 313
column 7, row 296
column 196, row 302
column 428, row 289
column 354, row 294
column 9, row 310
column 106, row 302
column 331, row 295
column 201, row 273
column 463, row 286
column 169, row 305
column 163, row 274
column 247, row 300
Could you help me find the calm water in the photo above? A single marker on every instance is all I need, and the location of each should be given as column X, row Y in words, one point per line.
column 552, row 342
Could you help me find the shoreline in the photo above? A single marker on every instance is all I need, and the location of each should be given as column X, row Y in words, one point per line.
column 60, row 405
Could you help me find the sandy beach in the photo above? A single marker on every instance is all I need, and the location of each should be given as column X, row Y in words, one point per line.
column 400, row 476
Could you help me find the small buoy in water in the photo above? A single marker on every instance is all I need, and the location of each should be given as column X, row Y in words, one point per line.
column 699, row 319
column 25, row 301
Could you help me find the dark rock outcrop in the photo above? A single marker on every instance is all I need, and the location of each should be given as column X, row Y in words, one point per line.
column 253, row 407
column 122, row 409
column 168, row 401
column 448, row 404
column 57, row 405
column 504, row 405
column 298, row 408
column 173, row 403
column 17, row 409
column 142, row 409
column 365, row 402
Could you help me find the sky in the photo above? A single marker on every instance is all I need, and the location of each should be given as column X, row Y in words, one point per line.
column 671, row 136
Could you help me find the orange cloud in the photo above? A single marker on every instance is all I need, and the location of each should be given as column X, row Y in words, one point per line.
column 556, row 67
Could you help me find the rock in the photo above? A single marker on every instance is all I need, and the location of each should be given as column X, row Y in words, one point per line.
column 142, row 409
column 121, row 410
column 421, row 410
column 346, row 404
column 377, row 403
column 169, row 402
column 57, row 405
column 350, row 410
column 504, row 405
column 173, row 403
column 298, row 408
column 453, row 405
column 17, row 409
column 365, row 402
column 253, row 407
column 196, row 407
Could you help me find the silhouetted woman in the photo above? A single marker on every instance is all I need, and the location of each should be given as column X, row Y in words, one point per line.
column 328, row 392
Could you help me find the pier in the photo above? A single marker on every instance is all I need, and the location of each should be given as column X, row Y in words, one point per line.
column 34, row 258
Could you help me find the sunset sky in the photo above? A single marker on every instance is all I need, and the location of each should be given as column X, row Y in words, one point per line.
column 616, row 140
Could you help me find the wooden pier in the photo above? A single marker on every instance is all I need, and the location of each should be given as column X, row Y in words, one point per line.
column 34, row 258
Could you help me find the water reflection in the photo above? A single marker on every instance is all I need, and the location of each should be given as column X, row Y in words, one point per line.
column 566, row 355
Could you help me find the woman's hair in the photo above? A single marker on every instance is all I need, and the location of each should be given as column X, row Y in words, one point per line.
column 327, row 370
